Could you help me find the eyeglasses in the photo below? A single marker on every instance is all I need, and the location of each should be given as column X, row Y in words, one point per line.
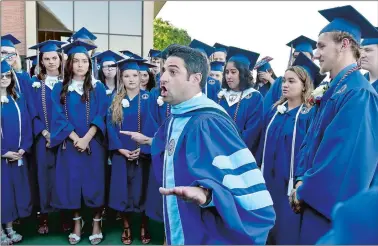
column 6, row 76
column 109, row 68
column 11, row 54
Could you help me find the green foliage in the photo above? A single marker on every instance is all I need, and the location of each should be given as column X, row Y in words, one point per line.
column 165, row 34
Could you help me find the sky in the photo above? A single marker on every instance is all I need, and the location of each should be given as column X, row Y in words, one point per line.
column 263, row 27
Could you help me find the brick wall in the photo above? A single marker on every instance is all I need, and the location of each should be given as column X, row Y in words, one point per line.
column 13, row 21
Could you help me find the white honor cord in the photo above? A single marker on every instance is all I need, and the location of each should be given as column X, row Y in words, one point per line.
column 20, row 162
column 207, row 84
column 290, row 186
column 292, row 156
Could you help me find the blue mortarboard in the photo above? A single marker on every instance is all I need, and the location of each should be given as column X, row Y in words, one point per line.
column 217, row 66
column 143, row 66
column 77, row 47
column 355, row 221
column 246, row 57
column 107, row 56
column 303, row 44
column 154, row 53
column 47, row 46
column 220, row 47
column 263, row 65
column 33, row 59
column 129, row 64
column 127, row 53
column 311, row 68
column 369, row 41
column 83, row 33
column 348, row 19
column 207, row 49
column 5, row 67
column 9, row 41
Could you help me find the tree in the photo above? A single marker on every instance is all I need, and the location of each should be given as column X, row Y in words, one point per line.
column 165, row 34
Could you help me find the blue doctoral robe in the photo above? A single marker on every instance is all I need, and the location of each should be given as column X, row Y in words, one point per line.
column 15, row 187
column 339, row 155
column 277, row 168
column 129, row 179
column 203, row 148
column 44, row 157
column 263, row 88
column 78, row 174
column 374, row 84
column 273, row 95
column 212, row 88
column 249, row 119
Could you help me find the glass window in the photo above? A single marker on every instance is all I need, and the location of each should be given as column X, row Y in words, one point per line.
column 134, row 44
column 126, row 17
column 56, row 15
column 101, row 42
column 92, row 15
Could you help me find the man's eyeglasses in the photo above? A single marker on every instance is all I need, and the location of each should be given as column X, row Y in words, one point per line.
column 6, row 76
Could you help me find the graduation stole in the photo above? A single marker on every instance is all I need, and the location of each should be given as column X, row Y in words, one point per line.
column 237, row 105
column 87, row 107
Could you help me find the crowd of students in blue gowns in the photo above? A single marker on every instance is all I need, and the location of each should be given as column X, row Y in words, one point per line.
column 45, row 119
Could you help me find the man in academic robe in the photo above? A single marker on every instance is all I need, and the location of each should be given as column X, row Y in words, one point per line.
column 213, row 191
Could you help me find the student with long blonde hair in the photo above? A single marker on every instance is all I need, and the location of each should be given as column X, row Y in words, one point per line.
column 130, row 162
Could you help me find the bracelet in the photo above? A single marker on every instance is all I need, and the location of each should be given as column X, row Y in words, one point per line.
column 208, row 197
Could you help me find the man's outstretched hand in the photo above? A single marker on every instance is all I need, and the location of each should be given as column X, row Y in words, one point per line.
column 138, row 137
column 187, row 193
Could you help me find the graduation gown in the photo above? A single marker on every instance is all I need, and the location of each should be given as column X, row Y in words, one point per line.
column 44, row 157
column 78, row 174
column 277, row 161
column 129, row 179
column 157, row 116
column 339, row 155
column 15, row 187
column 212, row 88
column 273, row 95
column 374, row 84
column 200, row 146
column 249, row 117
column 263, row 88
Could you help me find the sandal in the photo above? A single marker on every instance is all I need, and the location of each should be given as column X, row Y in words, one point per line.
column 43, row 227
column 144, row 237
column 127, row 239
column 5, row 240
column 73, row 238
column 66, row 226
column 13, row 235
column 96, row 238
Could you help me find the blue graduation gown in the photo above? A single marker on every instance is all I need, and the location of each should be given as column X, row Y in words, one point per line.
column 15, row 187
column 263, row 88
column 44, row 157
column 277, row 168
column 273, row 95
column 129, row 179
column 212, row 88
column 249, row 118
column 157, row 116
column 203, row 148
column 79, row 175
column 339, row 155
column 374, row 84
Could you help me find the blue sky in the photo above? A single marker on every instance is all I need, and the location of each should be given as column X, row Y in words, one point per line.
column 263, row 27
